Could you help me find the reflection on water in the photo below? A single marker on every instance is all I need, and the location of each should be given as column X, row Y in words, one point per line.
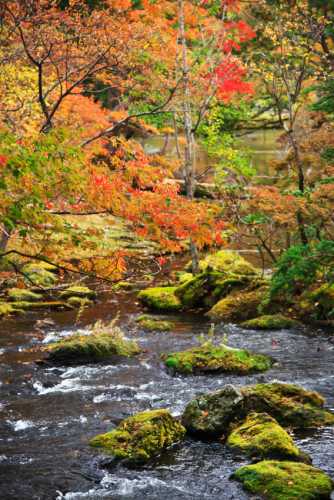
column 49, row 415
column 262, row 143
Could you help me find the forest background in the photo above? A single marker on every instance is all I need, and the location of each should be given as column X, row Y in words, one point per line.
column 84, row 82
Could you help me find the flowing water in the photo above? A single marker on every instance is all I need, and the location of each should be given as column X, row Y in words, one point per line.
column 49, row 415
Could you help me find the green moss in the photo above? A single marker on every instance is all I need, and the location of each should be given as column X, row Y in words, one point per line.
column 29, row 306
column 201, row 264
column 17, row 295
column 160, row 298
column 48, row 267
column 78, row 291
column 151, row 323
column 102, row 344
column 147, row 277
column 79, row 302
column 216, row 358
column 141, row 436
column 38, row 274
column 185, row 277
column 124, row 285
column 6, row 308
column 319, row 302
column 219, row 412
column 261, row 436
column 227, row 261
column 275, row 322
column 285, row 481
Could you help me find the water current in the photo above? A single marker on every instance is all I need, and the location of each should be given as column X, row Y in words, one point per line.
column 49, row 415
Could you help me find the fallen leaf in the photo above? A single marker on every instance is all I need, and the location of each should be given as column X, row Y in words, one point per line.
column 204, row 414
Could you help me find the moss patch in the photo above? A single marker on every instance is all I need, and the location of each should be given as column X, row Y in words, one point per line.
column 228, row 261
column 151, row 323
column 244, row 305
column 261, row 436
column 38, row 274
column 285, row 481
column 124, row 285
column 30, row 306
column 201, row 264
column 216, row 358
column 185, row 277
column 78, row 291
column 6, row 308
column 79, row 302
column 17, row 295
column 219, row 412
column 141, row 436
column 274, row 322
column 317, row 303
column 160, row 298
column 102, row 344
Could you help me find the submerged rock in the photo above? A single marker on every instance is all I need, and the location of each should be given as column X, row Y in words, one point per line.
column 285, row 481
column 17, row 295
column 96, row 345
column 160, row 298
column 270, row 322
column 216, row 359
column 261, row 436
column 141, row 436
column 219, row 412
column 151, row 323
column 78, row 291
column 319, row 302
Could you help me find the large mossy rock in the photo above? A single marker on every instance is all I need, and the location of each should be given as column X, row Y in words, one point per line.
column 96, row 345
column 270, row 322
column 245, row 304
column 219, row 412
column 285, row 481
column 141, row 436
column 261, row 436
column 78, row 291
column 80, row 302
column 160, row 298
column 38, row 274
column 151, row 323
column 216, row 359
column 319, row 302
column 225, row 261
column 17, row 295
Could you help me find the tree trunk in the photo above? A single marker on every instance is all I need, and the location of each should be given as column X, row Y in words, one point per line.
column 188, row 174
column 5, row 238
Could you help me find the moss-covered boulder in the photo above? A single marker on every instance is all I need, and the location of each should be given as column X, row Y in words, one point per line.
column 261, row 436
column 17, row 295
column 285, row 481
column 227, row 261
column 38, row 306
column 6, row 308
column 80, row 302
column 219, row 412
column 160, row 298
column 151, row 323
column 141, row 436
column 245, row 304
column 38, row 274
column 317, row 303
column 147, row 277
column 78, row 291
column 216, row 359
column 96, row 345
column 270, row 322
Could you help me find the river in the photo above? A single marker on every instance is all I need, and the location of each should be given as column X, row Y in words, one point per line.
column 49, row 415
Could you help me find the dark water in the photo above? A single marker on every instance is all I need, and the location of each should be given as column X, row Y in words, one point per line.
column 48, row 416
